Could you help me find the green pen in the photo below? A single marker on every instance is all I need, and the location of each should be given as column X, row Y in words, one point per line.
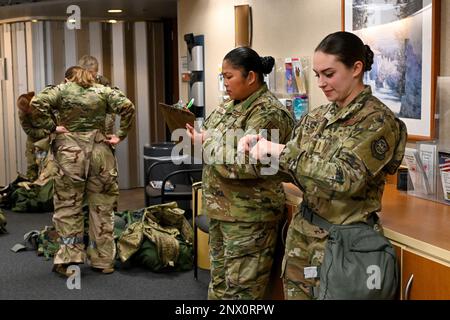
column 190, row 103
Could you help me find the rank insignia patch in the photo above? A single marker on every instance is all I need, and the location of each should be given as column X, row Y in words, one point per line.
column 379, row 148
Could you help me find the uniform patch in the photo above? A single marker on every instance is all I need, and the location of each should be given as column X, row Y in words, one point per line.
column 379, row 148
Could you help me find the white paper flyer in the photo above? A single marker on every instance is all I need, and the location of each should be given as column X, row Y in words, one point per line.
column 416, row 172
column 444, row 168
column 428, row 157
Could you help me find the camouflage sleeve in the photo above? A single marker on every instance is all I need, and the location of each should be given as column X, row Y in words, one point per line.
column 399, row 150
column 278, row 126
column 120, row 104
column 30, row 130
column 206, row 125
column 41, row 108
column 345, row 173
column 110, row 117
column 109, row 123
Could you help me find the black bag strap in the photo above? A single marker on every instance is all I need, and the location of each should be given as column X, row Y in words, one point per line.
column 315, row 219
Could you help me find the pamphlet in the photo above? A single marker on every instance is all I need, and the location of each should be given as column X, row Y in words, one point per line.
column 428, row 157
column 444, row 168
column 416, row 171
column 290, row 77
column 300, row 78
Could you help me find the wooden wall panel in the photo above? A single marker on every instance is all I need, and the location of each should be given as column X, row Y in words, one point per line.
column 133, row 169
column 157, row 76
column 58, row 55
column 106, row 50
column 82, row 41
column 3, row 169
column 70, row 48
column 142, row 93
column 20, row 86
column 119, row 80
column 131, row 55
column 8, row 106
column 95, row 43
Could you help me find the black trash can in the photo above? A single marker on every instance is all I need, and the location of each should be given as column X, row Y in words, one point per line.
column 161, row 152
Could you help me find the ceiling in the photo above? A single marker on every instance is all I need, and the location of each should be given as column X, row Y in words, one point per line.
column 90, row 9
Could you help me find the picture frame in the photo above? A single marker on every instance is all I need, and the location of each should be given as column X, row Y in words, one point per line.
column 404, row 36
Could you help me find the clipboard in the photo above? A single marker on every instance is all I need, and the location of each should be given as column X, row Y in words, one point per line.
column 176, row 118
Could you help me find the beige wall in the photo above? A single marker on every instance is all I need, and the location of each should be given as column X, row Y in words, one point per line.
column 281, row 28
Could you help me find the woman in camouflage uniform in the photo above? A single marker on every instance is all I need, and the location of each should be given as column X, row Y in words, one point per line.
column 33, row 134
column 339, row 156
column 87, row 168
column 244, row 207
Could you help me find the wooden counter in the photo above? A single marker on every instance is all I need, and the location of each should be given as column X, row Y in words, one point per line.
column 421, row 224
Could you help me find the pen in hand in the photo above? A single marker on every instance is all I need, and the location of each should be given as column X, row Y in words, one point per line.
column 190, row 103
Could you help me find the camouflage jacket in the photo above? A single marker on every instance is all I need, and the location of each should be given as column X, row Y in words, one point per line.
column 236, row 192
column 339, row 157
column 26, row 121
column 34, row 134
column 81, row 109
column 110, row 117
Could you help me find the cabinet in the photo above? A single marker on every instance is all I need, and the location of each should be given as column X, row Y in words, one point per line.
column 422, row 276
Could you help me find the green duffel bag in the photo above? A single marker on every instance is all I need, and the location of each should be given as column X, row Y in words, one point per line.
column 2, row 222
column 33, row 199
column 359, row 263
column 148, row 257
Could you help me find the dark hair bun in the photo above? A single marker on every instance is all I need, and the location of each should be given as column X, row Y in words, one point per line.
column 267, row 64
column 369, row 58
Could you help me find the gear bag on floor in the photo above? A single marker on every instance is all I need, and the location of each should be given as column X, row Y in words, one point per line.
column 161, row 240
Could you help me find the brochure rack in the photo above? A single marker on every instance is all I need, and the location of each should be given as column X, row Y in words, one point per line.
column 429, row 163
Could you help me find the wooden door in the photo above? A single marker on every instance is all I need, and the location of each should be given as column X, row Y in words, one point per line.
column 424, row 278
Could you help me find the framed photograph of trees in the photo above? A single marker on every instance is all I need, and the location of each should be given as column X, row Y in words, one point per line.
column 404, row 36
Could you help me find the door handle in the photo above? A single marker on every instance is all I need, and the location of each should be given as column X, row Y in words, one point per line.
column 408, row 287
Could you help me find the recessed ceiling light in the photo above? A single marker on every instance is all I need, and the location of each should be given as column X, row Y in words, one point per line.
column 115, row 10
column 112, row 21
column 34, row 20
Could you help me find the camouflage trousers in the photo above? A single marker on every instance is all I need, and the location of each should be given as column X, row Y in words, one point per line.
column 305, row 247
column 87, row 170
column 32, row 165
column 241, row 256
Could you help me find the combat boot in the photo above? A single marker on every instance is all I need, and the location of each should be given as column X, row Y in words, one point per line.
column 62, row 270
column 108, row 270
column 104, row 270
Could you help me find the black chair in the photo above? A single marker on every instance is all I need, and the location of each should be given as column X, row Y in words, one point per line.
column 199, row 221
column 181, row 180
